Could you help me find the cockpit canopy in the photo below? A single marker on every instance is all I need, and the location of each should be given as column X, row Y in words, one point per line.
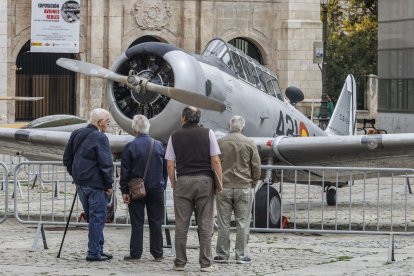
column 244, row 67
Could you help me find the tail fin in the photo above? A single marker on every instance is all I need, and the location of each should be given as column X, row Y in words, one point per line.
column 343, row 120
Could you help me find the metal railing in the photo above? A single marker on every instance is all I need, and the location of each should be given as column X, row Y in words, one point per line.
column 4, row 191
column 366, row 200
column 47, row 193
column 372, row 201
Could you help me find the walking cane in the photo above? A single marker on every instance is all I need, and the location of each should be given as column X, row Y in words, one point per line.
column 67, row 223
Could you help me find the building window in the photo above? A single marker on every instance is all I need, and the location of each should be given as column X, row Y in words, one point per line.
column 248, row 48
column 396, row 95
column 396, row 80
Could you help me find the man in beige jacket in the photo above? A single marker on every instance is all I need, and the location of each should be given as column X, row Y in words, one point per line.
column 240, row 163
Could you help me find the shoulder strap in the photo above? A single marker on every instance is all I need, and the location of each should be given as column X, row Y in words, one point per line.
column 149, row 158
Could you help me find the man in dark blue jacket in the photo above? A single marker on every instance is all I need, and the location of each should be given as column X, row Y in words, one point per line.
column 133, row 162
column 88, row 159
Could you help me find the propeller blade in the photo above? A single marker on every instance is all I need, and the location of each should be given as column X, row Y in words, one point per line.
column 186, row 97
column 181, row 95
column 90, row 69
column 11, row 98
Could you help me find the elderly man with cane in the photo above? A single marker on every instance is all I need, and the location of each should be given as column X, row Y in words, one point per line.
column 88, row 160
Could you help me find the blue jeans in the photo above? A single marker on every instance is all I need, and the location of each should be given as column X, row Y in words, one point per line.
column 94, row 202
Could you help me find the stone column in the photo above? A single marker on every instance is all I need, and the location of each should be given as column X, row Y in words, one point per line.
column 3, row 60
column 96, row 42
column 114, row 31
column 190, row 21
column 372, row 95
column 300, row 27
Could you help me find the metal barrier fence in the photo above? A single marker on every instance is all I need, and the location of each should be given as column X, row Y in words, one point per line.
column 47, row 192
column 334, row 200
column 4, row 194
column 373, row 200
column 365, row 200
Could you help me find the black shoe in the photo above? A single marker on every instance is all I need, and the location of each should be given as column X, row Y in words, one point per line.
column 130, row 258
column 105, row 254
column 96, row 258
column 220, row 259
column 158, row 259
column 244, row 260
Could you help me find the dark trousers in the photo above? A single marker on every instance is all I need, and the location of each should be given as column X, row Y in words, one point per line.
column 155, row 213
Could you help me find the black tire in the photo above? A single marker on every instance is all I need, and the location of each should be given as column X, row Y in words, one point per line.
column 331, row 197
column 261, row 203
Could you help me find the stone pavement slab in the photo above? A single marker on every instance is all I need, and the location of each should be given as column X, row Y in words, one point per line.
column 272, row 254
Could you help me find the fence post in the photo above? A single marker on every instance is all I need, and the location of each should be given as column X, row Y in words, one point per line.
column 40, row 230
column 391, row 249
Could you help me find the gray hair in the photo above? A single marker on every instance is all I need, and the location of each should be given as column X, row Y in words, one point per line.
column 98, row 114
column 237, row 123
column 140, row 124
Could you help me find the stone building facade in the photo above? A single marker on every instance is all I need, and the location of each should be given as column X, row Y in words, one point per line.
column 395, row 65
column 283, row 30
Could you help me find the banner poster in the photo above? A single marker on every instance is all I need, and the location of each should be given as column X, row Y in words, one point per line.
column 55, row 26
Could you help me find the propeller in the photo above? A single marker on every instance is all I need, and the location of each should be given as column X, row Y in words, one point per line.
column 142, row 85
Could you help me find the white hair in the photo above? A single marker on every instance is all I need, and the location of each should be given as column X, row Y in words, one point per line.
column 98, row 114
column 140, row 124
column 237, row 123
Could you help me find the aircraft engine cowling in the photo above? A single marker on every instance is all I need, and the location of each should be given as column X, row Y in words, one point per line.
column 161, row 64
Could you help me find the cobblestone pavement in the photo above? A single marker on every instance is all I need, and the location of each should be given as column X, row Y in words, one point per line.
column 272, row 254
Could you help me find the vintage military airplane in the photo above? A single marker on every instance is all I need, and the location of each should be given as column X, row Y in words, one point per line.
column 159, row 80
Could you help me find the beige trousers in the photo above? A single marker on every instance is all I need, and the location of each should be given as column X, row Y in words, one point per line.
column 239, row 201
column 193, row 193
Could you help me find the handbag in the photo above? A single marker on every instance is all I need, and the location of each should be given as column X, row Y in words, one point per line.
column 136, row 185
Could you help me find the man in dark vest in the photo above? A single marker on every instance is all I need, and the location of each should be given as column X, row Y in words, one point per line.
column 194, row 152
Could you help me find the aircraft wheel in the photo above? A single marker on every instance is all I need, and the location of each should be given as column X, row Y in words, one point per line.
column 263, row 204
column 331, row 197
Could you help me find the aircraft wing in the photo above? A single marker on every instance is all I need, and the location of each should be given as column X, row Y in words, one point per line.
column 387, row 150
column 373, row 151
column 38, row 144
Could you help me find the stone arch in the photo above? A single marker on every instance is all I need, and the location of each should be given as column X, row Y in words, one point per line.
column 131, row 36
column 256, row 38
column 145, row 38
column 247, row 47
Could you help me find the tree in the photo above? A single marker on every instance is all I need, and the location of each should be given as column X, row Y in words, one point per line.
column 352, row 44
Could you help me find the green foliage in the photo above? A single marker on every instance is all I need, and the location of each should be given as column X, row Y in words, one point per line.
column 351, row 44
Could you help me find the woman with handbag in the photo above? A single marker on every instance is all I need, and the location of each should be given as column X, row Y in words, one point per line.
column 142, row 183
